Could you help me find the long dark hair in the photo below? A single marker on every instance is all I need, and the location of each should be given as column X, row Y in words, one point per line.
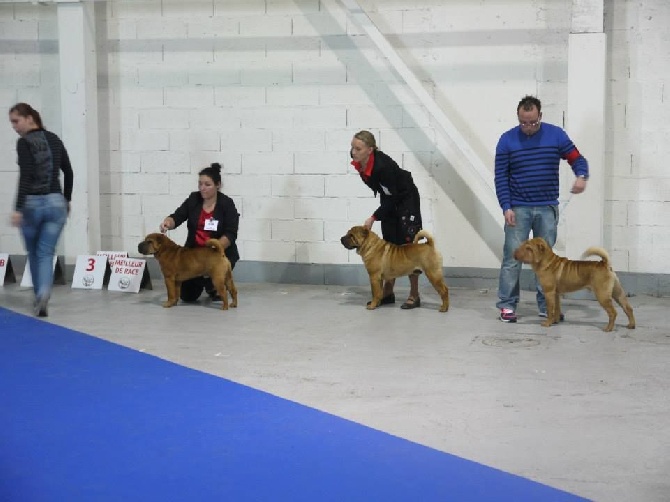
column 25, row 110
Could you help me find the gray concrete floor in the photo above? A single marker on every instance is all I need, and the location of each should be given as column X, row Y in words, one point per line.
column 571, row 406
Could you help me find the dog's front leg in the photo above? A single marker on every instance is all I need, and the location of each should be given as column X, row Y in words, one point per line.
column 173, row 287
column 557, row 314
column 550, row 295
column 376, row 284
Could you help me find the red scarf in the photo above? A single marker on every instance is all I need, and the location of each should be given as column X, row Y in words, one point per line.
column 365, row 174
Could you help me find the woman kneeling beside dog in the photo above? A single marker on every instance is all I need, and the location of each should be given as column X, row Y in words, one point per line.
column 209, row 214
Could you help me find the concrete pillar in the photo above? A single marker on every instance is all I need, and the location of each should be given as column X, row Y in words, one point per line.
column 79, row 131
column 583, row 217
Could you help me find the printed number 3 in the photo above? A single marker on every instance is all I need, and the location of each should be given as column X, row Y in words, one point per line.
column 91, row 265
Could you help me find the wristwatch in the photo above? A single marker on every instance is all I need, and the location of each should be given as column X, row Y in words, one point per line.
column 584, row 177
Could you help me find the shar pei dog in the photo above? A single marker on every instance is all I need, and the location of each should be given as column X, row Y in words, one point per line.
column 384, row 261
column 558, row 275
column 178, row 264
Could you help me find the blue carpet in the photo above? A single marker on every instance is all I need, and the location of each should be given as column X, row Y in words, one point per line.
column 82, row 419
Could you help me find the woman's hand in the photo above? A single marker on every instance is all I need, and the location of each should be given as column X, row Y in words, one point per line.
column 167, row 224
column 369, row 222
column 16, row 219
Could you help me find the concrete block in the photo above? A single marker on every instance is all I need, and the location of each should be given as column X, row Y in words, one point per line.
column 164, row 118
column 320, row 163
column 387, row 117
column 216, row 118
column 266, row 117
column 201, row 97
column 319, row 117
column 240, row 96
column 212, row 27
column 321, row 252
column 249, row 186
column 193, row 9
column 165, row 162
column 294, row 95
column 297, row 230
column 133, row 183
column 162, row 28
column 133, row 140
column 296, row 140
column 298, row 185
column 329, row 208
column 265, row 73
column 323, row 24
column 139, row 9
column 231, row 8
column 120, row 162
column 270, row 250
column 270, row 208
column 161, row 75
column 255, row 228
column 318, row 72
column 349, row 185
column 265, row 26
column 246, row 141
column 267, row 163
column 200, row 141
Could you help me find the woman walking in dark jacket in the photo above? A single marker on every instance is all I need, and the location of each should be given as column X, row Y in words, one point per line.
column 399, row 205
column 209, row 214
column 41, row 206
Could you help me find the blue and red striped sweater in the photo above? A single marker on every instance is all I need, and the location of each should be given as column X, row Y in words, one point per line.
column 526, row 167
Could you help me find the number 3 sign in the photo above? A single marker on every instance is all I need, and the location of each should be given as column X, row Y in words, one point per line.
column 89, row 271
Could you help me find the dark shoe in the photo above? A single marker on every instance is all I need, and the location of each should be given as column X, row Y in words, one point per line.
column 507, row 315
column 411, row 303
column 40, row 307
column 544, row 315
column 214, row 296
column 386, row 300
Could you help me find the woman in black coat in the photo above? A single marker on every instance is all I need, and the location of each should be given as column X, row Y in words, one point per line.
column 399, row 210
column 209, row 214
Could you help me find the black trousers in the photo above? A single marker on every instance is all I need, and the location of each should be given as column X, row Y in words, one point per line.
column 193, row 288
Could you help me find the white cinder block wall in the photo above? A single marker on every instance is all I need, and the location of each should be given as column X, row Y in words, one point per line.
column 274, row 90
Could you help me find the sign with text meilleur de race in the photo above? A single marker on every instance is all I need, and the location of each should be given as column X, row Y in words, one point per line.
column 27, row 279
column 6, row 270
column 89, row 271
column 128, row 274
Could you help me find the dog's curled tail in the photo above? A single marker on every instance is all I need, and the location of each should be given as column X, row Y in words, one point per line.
column 596, row 251
column 216, row 245
column 424, row 234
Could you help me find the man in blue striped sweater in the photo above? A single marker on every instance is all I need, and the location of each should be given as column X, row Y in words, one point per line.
column 526, row 178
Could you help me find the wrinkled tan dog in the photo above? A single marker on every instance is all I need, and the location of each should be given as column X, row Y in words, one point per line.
column 179, row 264
column 559, row 275
column 384, row 260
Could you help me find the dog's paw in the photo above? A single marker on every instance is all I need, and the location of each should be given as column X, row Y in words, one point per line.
column 371, row 306
column 547, row 323
column 167, row 305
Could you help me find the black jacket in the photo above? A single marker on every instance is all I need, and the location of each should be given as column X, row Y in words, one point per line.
column 225, row 213
column 41, row 157
column 394, row 185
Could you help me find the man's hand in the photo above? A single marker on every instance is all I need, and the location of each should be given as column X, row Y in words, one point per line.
column 579, row 185
column 510, row 218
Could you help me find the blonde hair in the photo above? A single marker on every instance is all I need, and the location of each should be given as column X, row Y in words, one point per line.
column 367, row 137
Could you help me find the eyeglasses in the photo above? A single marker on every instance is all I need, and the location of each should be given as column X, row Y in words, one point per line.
column 530, row 124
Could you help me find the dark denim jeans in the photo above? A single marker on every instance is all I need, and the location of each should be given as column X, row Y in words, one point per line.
column 543, row 222
column 43, row 219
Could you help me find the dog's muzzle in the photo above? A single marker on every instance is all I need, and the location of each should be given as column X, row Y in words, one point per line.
column 142, row 247
column 346, row 242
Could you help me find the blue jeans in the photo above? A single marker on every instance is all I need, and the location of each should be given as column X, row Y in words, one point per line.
column 543, row 222
column 42, row 223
